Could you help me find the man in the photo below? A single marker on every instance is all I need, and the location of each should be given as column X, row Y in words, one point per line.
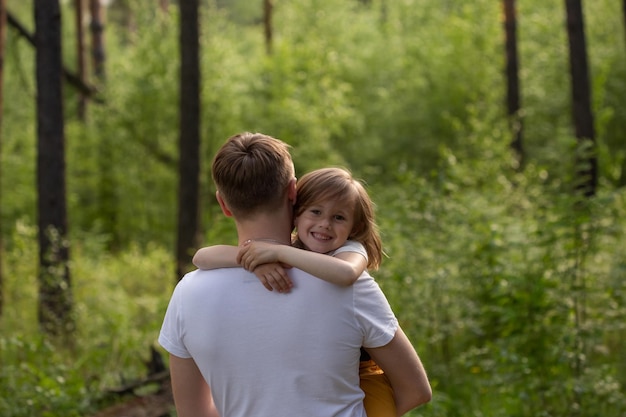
column 238, row 350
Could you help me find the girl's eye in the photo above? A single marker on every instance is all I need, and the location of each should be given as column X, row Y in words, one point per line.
column 339, row 217
column 315, row 211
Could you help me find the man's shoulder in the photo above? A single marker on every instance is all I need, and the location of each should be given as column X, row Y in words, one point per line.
column 201, row 275
column 216, row 271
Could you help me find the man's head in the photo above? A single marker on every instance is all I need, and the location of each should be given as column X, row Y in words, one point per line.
column 252, row 173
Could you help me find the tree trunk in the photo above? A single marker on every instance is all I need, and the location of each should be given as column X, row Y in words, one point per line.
column 164, row 5
column 107, row 184
column 189, row 140
column 55, row 300
column 581, row 99
column 124, row 15
column 107, row 193
column 267, row 25
column 383, row 11
column 80, row 56
column 512, row 77
column 3, row 31
column 97, row 38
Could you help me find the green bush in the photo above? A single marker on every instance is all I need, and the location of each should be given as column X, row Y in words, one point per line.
column 504, row 284
column 119, row 304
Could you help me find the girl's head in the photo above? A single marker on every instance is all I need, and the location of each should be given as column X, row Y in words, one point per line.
column 331, row 207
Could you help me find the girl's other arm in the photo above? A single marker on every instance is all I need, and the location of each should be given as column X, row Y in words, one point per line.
column 342, row 269
column 218, row 256
column 271, row 275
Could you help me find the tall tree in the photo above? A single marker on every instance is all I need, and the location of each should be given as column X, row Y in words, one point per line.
column 3, row 31
column 97, row 38
column 80, row 55
column 125, row 17
column 624, row 15
column 267, row 25
column 55, row 300
column 512, row 77
column 582, row 113
column 107, row 183
column 189, row 139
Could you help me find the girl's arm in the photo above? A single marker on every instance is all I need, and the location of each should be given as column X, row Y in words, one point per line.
column 342, row 269
column 218, row 256
column 271, row 275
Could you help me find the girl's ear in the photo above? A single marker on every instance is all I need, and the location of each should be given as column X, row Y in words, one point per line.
column 222, row 204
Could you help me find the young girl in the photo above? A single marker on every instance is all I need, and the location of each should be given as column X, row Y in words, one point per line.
column 333, row 216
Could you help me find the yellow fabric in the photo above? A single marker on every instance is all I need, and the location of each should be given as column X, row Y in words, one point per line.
column 378, row 399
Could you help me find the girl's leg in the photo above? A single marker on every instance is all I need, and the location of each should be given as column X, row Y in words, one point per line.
column 378, row 401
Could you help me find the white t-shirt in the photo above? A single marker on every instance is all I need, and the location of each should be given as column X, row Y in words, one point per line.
column 267, row 354
column 350, row 246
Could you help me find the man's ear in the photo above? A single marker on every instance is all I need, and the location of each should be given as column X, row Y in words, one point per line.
column 222, row 204
column 291, row 191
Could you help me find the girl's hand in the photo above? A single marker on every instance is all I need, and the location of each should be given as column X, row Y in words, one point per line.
column 274, row 277
column 253, row 254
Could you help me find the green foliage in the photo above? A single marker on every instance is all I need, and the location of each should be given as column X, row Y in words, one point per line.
column 506, row 291
column 37, row 381
column 119, row 304
column 510, row 285
column 376, row 88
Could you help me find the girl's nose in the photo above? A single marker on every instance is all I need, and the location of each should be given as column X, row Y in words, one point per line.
column 325, row 223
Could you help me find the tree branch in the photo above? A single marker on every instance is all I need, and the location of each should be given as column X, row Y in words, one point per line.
column 88, row 90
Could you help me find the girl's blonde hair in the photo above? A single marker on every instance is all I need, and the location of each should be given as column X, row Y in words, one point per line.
column 338, row 184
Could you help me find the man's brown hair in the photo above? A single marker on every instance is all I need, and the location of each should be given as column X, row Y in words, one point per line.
column 252, row 172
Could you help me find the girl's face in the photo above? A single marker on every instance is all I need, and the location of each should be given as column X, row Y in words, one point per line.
column 325, row 226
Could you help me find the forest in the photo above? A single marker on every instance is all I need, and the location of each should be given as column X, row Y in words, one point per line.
column 491, row 136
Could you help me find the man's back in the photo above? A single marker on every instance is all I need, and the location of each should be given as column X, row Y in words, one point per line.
column 270, row 354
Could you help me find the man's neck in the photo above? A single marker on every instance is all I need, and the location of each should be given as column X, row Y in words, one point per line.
column 276, row 229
